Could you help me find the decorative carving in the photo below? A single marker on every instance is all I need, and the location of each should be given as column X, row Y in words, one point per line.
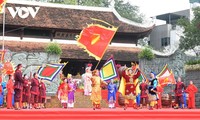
column 32, row 61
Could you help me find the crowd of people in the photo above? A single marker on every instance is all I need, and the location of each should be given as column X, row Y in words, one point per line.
column 24, row 92
column 28, row 93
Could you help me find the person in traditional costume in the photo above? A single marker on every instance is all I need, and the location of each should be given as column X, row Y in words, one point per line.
column 112, row 90
column 86, row 77
column 96, row 89
column 42, row 93
column 144, row 94
column 63, row 90
column 35, row 91
column 132, row 85
column 10, row 92
column 72, row 89
column 18, row 86
column 2, row 87
column 191, row 90
column 159, row 93
column 26, row 92
column 179, row 89
column 153, row 90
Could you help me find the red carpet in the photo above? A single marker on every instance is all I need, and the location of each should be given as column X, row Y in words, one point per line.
column 103, row 114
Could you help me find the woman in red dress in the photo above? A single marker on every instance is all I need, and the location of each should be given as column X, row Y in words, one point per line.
column 10, row 92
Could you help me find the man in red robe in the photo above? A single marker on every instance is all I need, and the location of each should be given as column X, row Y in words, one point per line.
column 159, row 93
column 180, row 87
column 26, row 92
column 10, row 92
column 144, row 95
column 18, row 86
column 35, row 91
column 191, row 90
column 42, row 95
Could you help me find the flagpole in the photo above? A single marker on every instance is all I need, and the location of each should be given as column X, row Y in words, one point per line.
column 4, row 17
column 97, row 64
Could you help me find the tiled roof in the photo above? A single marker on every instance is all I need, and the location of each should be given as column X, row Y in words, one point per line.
column 69, row 19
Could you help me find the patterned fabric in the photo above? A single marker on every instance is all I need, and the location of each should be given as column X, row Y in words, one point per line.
column 109, row 70
column 95, row 39
column 50, row 71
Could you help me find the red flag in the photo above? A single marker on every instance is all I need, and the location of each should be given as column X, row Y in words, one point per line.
column 165, row 80
column 2, row 2
column 95, row 39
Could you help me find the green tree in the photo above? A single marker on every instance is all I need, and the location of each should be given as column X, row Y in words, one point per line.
column 68, row 2
column 126, row 10
column 191, row 38
column 146, row 53
column 97, row 3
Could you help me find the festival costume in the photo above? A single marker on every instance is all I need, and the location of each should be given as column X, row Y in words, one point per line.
column 2, row 87
column 18, row 87
column 42, row 94
column 159, row 92
column 72, row 89
column 131, row 88
column 87, row 81
column 153, row 93
column 112, row 90
column 144, row 94
column 63, row 94
column 26, row 94
column 35, row 92
column 10, row 93
column 180, row 87
column 96, row 91
column 191, row 90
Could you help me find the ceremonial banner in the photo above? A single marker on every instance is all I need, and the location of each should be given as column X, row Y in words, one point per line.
column 95, row 39
column 122, row 86
column 163, row 81
column 166, row 77
column 165, row 72
column 2, row 3
column 109, row 70
column 50, row 71
column 2, row 53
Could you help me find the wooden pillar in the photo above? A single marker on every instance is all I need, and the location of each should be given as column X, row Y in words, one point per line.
column 21, row 33
column 51, row 34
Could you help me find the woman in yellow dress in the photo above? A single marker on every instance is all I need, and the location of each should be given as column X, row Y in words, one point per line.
column 96, row 89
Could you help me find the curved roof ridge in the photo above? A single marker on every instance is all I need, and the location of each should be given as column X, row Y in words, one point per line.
column 146, row 24
column 78, row 7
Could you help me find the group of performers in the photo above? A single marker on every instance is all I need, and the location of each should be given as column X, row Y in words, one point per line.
column 146, row 93
column 66, row 92
column 24, row 92
column 30, row 93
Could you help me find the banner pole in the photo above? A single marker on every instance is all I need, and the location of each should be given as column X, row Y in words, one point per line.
column 4, row 17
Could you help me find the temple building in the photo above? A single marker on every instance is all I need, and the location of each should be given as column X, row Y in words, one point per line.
column 30, row 26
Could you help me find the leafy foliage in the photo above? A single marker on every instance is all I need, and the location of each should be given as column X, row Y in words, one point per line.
column 193, row 62
column 191, row 38
column 53, row 48
column 146, row 53
column 128, row 11
column 97, row 3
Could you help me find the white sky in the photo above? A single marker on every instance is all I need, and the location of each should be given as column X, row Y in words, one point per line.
column 155, row 7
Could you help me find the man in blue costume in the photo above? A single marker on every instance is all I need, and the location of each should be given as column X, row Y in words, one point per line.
column 3, row 86
column 153, row 90
column 112, row 89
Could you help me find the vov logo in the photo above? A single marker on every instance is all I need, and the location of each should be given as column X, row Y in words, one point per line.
column 23, row 12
